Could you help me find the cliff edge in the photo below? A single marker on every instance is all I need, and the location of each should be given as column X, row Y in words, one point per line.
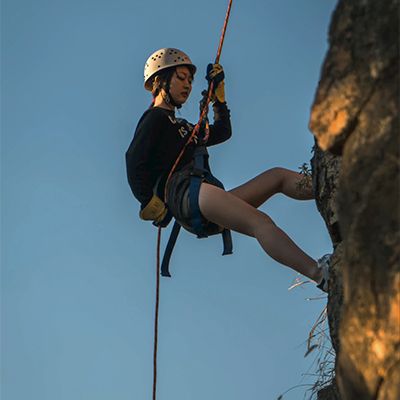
column 355, row 121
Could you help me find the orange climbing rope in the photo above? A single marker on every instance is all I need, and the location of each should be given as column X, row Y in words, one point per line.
column 204, row 111
column 196, row 129
column 156, row 315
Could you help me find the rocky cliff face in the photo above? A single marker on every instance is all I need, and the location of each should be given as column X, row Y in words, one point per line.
column 355, row 120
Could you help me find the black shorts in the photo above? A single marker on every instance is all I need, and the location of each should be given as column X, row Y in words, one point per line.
column 178, row 202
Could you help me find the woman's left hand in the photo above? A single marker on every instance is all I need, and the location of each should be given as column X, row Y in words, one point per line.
column 215, row 74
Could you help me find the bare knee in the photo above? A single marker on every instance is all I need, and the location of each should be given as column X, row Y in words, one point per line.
column 287, row 180
column 280, row 174
column 260, row 224
column 259, row 189
column 276, row 176
column 262, row 220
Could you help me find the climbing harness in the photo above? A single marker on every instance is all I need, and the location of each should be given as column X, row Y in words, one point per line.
column 196, row 179
column 197, row 173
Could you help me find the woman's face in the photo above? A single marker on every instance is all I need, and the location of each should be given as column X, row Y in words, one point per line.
column 181, row 84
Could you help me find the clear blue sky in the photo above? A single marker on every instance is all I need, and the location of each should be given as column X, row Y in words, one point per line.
column 77, row 264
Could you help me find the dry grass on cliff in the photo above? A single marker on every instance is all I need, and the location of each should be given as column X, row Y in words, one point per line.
column 321, row 372
column 319, row 342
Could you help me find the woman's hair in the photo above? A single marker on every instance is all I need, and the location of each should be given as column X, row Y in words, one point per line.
column 162, row 81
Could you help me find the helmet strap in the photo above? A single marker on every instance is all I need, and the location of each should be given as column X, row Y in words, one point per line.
column 163, row 87
column 168, row 98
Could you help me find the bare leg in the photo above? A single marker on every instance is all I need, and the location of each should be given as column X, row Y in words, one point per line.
column 229, row 211
column 296, row 185
column 275, row 180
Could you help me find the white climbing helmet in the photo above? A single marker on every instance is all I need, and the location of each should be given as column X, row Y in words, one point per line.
column 162, row 59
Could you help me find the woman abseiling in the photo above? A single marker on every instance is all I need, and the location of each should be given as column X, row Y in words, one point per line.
column 159, row 138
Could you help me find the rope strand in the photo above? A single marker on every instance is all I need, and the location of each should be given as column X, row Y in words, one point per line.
column 204, row 111
column 156, row 314
column 196, row 129
column 221, row 41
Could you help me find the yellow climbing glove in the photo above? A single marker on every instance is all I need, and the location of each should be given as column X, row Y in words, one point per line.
column 215, row 73
column 155, row 210
column 220, row 92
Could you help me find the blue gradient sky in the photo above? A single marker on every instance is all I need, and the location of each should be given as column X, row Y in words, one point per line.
column 77, row 264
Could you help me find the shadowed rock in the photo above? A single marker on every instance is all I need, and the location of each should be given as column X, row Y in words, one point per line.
column 355, row 119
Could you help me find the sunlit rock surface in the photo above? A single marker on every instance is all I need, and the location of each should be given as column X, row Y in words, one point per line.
column 355, row 119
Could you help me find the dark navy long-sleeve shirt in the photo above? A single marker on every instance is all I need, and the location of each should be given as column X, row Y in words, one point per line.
column 158, row 140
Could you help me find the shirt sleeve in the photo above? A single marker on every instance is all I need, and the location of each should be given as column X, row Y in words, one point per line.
column 139, row 157
column 221, row 129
